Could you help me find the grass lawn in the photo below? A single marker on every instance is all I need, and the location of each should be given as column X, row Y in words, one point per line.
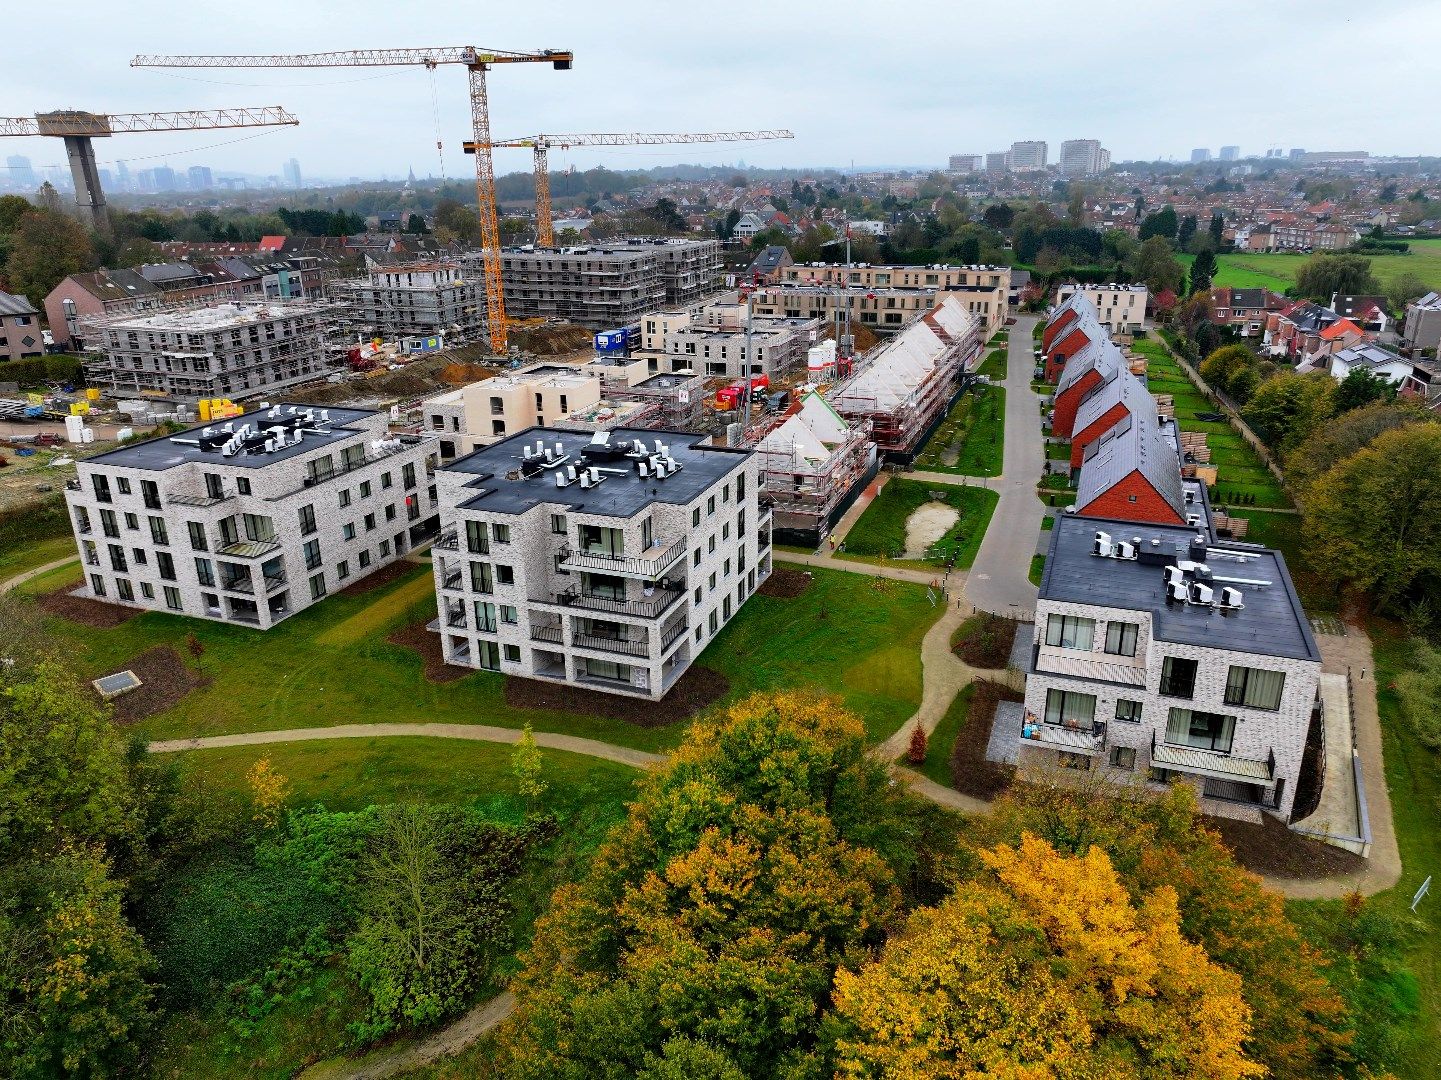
column 880, row 533
column 1038, row 329
column 1278, row 270
column 23, row 557
column 1048, row 523
column 1058, row 451
column 937, row 765
column 1038, row 564
column 839, row 636
column 974, row 431
column 995, row 366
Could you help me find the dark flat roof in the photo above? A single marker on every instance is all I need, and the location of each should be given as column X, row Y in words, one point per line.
column 1271, row 623
column 164, row 452
column 499, row 489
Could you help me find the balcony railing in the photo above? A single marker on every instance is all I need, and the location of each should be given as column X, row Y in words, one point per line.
column 641, row 609
column 554, row 635
column 448, row 539
column 273, row 582
column 668, row 638
column 1072, row 736
column 197, row 500
column 453, row 580
column 248, row 549
column 456, row 619
column 607, row 644
column 603, row 562
column 408, row 442
column 240, row 585
column 1213, row 763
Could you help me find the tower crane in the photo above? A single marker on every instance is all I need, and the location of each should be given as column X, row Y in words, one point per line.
column 78, row 128
column 477, row 62
column 541, row 144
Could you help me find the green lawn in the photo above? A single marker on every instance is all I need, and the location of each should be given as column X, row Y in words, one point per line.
column 995, row 366
column 23, row 557
column 1038, row 565
column 974, row 431
column 937, row 765
column 838, row 636
column 880, row 533
column 1048, row 523
column 1278, row 270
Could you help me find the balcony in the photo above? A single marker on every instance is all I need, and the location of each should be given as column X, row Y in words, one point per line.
column 456, row 620
column 453, row 579
column 1072, row 737
column 197, row 500
column 611, row 645
column 1212, row 763
column 248, row 549
column 651, row 608
column 273, row 582
column 448, row 539
column 554, row 635
column 238, row 585
column 651, row 564
column 672, row 633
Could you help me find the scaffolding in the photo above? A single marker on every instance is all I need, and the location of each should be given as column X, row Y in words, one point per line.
column 813, row 465
column 679, row 396
column 902, row 389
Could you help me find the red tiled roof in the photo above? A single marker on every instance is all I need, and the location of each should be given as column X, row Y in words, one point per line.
column 272, row 243
column 1337, row 329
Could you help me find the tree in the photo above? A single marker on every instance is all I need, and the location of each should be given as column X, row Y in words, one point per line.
column 1287, row 408
column 1232, row 369
column 1373, row 521
column 1347, row 433
column 998, row 216
column 415, row 224
column 1323, row 276
column 1185, row 231
column 138, row 252
column 526, row 766
column 1203, row 270
column 1419, row 688
column 46, row 248
column 267, row 793
column 916, row 752
column 1044, row 966
column 1155, row 264
column 1217, row 231
column 1361, row 387
column 1161, row 224
column 47, row 198
column 1403, row 289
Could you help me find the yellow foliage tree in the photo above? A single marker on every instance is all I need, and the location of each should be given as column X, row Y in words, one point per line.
column 268, row 790
column 1044, row 968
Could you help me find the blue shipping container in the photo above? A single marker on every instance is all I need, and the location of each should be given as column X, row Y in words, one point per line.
column 610, row 341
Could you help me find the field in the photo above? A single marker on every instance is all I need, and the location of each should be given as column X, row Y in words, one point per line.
column 970, row 441
column 880, row 534
column 1277, row 270
column 1242, row 473
column 305, row 672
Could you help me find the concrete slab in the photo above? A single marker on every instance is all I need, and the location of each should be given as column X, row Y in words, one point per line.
column 1006, row 732
column 1338, row 814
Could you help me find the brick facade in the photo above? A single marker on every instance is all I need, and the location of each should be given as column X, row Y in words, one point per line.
column 1063, row 414
column 1133, row 499
column 1093, row 431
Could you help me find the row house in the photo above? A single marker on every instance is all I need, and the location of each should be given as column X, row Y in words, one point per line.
column 1245, row 309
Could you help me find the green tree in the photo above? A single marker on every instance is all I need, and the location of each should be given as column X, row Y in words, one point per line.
column 47, row 246
column 999, row 216
column 1203, row 270
column 1403, row 289
column 1185, row 231
column 1287, row 408
column 1419, row 688
column 1373, row 521
column 1322, row 276
column 138, row 252
column 1361, row 387
column 1155, row 264
column 1232, row 369
column 1161, row 224
column 526, row 766
column 415, row 224
column 1217, row 231
column 1347, row 433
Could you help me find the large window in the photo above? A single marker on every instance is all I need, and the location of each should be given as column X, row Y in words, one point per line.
column 1121, row 638
column 1201, row 730
column 602, row 541
column 1178, row 677
column 1070, row 709
column 197, row 535
column 476, row 540
column 484, row 617
column 481, row 578
column 1127, row 710
column 1070, row 632
column 1255, row 688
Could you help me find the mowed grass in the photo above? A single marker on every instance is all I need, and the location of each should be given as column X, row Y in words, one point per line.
column 21, row 558
column 880, row 533
column 1278, row 270
column 288, row 677
column 974, row 431
column 937, row 765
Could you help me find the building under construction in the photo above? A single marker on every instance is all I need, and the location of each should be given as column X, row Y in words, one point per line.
column 903, row 388
column 678, row 395
column 813, row 465
column 400, row 300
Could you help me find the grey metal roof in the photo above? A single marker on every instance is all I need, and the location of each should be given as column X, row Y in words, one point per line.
column 1272, row 622
column 1368, row 354
column 1100, row 355
column 115, row 284
column 1135, row 444
column 15, row 304
column 163, row 453
column 623, row 493
column 1125, row 389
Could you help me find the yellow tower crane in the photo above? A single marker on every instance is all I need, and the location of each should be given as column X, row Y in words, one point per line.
column 542, row 144
column 476, row 61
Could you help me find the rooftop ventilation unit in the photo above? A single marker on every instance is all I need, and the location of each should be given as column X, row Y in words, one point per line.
column 1231, row 600
column 1102, row 544
column 1124, row 550
column 1175, row 576
column 1202, row 594
column 1176, row 592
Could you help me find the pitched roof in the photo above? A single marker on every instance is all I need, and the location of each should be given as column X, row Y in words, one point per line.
column 1099, row 356
column 111, row 285
column 1339, row 329
column 15, row 304
column 1135, row 444
column 1125, row 389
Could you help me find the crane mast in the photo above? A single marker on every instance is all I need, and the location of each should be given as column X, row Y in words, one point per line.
column 476, row 62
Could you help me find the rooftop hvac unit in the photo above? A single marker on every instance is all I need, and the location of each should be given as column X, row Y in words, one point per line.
column 1202, row 594
column 560, row 480
column 1102, row 545
column 1231, row 599
column 1175, row 576
column 1125, row 550
column 643, row 469
column 570, row 474
column 1176, row 592
column 585, row 480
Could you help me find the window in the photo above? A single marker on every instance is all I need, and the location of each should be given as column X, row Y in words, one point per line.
column 317, row 586
column 385, row 549
column 713, row 621
column 509, row 614
column 497, row 427
column 342, row 569
column 711, row 581
column 97, row 584
column 602, row 541
column 1178, row 677
column 258, row 528
column 311, row 551
column 407, row 475
column 695, row 516
column 108, row 523
column 197, row 535
column 117, row 558
column 1121, row 638
column 485, row 617
column 386, row 480
column 1254, row 687
column 501, row 533
column 213, row 488
column 150, row 494
column 123, row 587
column 172, row 598
column 1123, row 757
column 123, row 484
column 344, row 497
column 1068, row 760
column 1070, row 709
column 165, row 565
column 242, row 485
column 147, row 590
column 504, row 575
column 710, row 544
column 365, row 489
column 1129, row 711
column 102, row 487
column 205, row 572
column 347, row 531
column 307, row 520
column 132, row 521
column 511, row 653
column 390, row 512
column 710, row 506
column 364, row 558
column 740, row 487
column 1070, row 632
column 557, row 524
column 698, row 594
column 481, row 579
column 139, row 554
column 1202, row 730
column 695, row 559
column 488, row 655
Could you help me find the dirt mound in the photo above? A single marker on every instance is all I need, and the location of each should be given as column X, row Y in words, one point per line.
column 83, row 610
column 698, row 688
column 553, row 340
column 786, row 584
column 165, row 680
column 427, row 643
column 461, row 374
column 1271, row 848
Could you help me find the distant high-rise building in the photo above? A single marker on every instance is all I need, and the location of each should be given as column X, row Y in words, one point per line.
column 164, row 178
column 1297, row 153
column 291, row 170
column 122, row 176
column 965, row 163
column 1027, row 155
column 1083, row 157
column 1199, row 155
column 22, row 173
column 1230, row 153
column 998, row 161
column 200, row 178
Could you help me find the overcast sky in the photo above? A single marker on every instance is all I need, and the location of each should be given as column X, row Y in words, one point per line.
column 879, row 83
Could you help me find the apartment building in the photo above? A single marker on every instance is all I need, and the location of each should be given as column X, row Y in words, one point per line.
column 609, row 285
column 607, row 561
column 19, row 328
column 1028, row 155
column 712, row 339
column 882, row 309
column 939, row 276
column 1083, row 157
column 487, row 411
column 234, row 350
column 413, row 300
column 252, row 520
column 1160, row 655
column 1121, row 309
column 1245, row 309
column 966, row 163
column 1423, row 322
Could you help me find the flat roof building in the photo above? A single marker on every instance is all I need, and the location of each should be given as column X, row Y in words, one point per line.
column 408, row 300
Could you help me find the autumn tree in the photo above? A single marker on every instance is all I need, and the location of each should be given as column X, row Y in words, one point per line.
column 1373, row 521
column 1234, row 370
column 1288, row 408
column 267, row 793
column 1043, row 965
column 764, row 856
column 526, row 766
column 46, row 247
column 1347, row 433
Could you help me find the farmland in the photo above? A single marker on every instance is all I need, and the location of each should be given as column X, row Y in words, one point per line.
column 1278, row 270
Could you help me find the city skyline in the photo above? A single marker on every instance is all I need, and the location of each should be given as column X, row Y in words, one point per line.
column 373, row 121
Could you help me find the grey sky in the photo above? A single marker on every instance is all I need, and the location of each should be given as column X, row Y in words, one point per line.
column 874, row 83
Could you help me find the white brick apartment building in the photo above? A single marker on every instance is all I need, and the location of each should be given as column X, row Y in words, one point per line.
column 607, row 561
column 1121, row 309
column 251, row 520
column 1171, row 658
